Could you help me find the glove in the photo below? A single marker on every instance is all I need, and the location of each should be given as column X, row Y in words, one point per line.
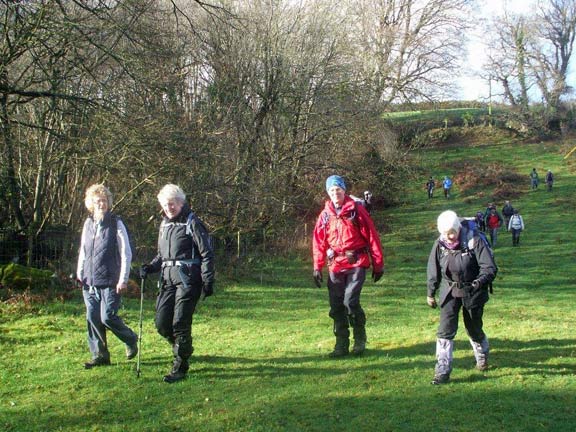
column 208, row 288
column 144, row 270
column 476, row 284
column 376, row 276
column 431, row 302
column 317, row 278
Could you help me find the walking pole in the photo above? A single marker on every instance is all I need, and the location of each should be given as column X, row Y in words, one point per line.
column 140, row 328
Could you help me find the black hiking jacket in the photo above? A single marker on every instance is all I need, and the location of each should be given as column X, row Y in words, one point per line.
column 471, row 260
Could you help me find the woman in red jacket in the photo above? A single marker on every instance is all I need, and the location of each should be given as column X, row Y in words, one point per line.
column 346, row 238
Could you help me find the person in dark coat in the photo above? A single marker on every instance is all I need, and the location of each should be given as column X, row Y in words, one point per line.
column 461, row 266
column 534, row 179
column 430, row 185
column 186, row 262
column 103, row 270
column 549, row 180
column 507, row 212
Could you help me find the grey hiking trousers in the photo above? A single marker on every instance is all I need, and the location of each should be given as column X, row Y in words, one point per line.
column 102, row 306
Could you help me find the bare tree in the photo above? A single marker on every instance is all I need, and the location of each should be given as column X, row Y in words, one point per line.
column 407, row 50
column 553, row 50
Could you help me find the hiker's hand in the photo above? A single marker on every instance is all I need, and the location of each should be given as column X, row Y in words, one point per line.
column 317, row 278
column 376, row 276
column 431, row 302
column 476, row 284
column 121, row 286
column 144, row 270
column 208, row 288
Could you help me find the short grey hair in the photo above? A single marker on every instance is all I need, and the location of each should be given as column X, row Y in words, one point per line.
column 171, row 191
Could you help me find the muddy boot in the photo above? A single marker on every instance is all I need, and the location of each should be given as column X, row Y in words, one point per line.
column 358, row 322
column 481, row 350
column 444, row 356
column 342, row 334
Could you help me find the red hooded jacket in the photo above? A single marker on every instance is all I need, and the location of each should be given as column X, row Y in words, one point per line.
column 351, row 230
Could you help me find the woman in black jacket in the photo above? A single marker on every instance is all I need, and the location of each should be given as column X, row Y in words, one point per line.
column 462, row 266
column 186, row 262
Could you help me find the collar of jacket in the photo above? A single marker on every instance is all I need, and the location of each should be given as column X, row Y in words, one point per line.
column 348, row 206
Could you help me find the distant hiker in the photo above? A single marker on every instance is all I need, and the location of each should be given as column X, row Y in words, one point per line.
column 368, row 201
column 507, row 212
column 462, row 266
column 549, row 181
column 516, row 226
column 103, row 269
column 534, row 179
column 447, row 185
column 185, row 261
column 493, row 223
column 479, row 219
column 430, row 185
column 346, row 239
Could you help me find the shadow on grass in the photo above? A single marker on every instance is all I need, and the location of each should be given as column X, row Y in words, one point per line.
column 531, row 357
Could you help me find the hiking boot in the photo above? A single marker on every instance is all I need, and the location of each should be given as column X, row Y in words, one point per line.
column 341, row 349
column 174, row 376
column 440, row 379
column 98, row 361
column 482, row 365
column 131, row 351
column 358, row 322
column 359, row 346
column 178, row 372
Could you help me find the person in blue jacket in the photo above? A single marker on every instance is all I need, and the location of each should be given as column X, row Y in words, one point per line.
column 447, row 185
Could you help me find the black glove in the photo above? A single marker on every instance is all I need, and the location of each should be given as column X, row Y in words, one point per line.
column 476, row 284
column 376, row 276
column 317, row 278
column 208, row 288
column 144, row 270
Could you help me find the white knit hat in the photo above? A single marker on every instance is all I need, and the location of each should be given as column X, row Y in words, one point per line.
column 448, row 220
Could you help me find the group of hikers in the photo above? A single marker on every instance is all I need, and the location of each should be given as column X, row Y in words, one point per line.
column 461, row 267
column 535, row 180
column 446, row 186
column 490, row 221
column 185, row 261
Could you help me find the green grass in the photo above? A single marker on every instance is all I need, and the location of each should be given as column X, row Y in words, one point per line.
column 260, row 362
column 438, row 117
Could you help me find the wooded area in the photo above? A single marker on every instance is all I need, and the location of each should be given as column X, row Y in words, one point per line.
column 247, row 105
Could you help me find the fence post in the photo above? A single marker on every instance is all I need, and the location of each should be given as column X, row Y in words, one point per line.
column 238, row 248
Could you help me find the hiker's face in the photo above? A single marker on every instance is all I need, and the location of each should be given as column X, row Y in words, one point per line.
column 172, row 207
column 337, row 194
column 100, row 206
column 451, row 235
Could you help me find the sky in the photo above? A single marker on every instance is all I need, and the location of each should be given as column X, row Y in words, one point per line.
column 472, row 87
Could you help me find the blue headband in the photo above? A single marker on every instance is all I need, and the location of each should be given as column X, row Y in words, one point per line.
column 335, row 180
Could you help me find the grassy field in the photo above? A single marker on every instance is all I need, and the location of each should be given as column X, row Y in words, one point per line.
column 260, row 362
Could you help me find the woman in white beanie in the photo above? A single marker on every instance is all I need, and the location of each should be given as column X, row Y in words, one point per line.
column 462, row 266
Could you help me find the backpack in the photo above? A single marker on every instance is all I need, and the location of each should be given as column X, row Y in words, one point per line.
column 189, row 231
column 352, row 218
column 515, row 222
column 471, row 230
column 131, row 241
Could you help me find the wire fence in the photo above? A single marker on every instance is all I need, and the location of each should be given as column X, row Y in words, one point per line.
column 57, row 250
